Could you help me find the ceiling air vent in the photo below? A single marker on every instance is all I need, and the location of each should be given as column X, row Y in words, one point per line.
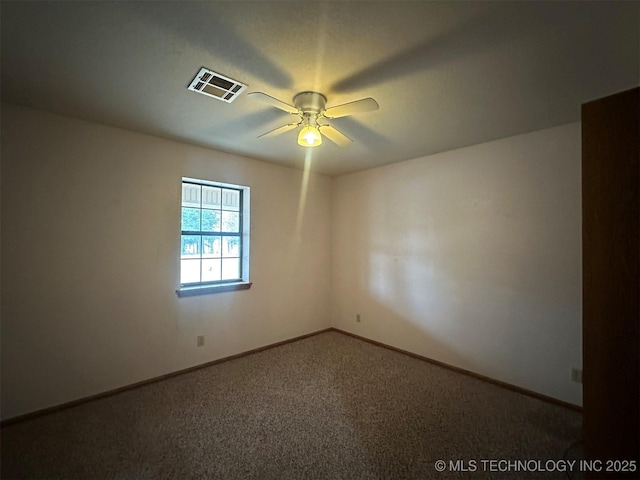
column 217, row 86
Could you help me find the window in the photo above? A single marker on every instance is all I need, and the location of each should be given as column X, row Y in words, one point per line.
column 214, row 241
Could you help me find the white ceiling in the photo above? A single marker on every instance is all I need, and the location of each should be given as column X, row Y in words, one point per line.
column 446, row 74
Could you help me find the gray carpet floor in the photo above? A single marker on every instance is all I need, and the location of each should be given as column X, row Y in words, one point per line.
column 325, row 407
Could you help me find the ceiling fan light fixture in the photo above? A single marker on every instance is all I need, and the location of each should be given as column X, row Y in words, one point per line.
column 309, row 136
column 310, row 107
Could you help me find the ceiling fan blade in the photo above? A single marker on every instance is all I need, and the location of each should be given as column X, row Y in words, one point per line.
column 274, row 102
column 279, row 130
column 359, row 106
column 335, row 135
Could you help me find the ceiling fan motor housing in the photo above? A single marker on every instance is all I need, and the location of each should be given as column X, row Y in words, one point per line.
column 310, row 102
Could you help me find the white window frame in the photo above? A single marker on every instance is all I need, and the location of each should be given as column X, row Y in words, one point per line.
column 203, row 288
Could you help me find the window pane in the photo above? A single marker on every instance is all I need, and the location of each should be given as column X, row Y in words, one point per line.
column 210, row 220
column 190, row 219
column 231, row 222
column 190, row 195
column 210, row 246
column 190, row 247
column 230, row 268
column 212, row 241
column 210, row 270
column 230, row 246
column 210, row 197
column 189, row 271
column 230, row 200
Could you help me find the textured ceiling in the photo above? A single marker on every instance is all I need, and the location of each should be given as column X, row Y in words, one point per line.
column 446, row 74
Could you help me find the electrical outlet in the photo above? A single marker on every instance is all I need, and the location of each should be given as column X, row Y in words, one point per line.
column 358, row 318
column 576, row 375
column 200, row 340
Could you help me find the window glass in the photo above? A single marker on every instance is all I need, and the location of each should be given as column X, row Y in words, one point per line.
column 211, row 243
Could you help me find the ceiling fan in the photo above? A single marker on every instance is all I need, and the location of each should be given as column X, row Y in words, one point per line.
column 310, row 107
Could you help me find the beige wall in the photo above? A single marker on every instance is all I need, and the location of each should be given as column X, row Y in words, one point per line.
column 471, row 257
column 90, row 241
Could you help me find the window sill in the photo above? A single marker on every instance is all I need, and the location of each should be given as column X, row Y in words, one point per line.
column 207, row 289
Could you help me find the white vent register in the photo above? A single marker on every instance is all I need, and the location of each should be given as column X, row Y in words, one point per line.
column 216, row 85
